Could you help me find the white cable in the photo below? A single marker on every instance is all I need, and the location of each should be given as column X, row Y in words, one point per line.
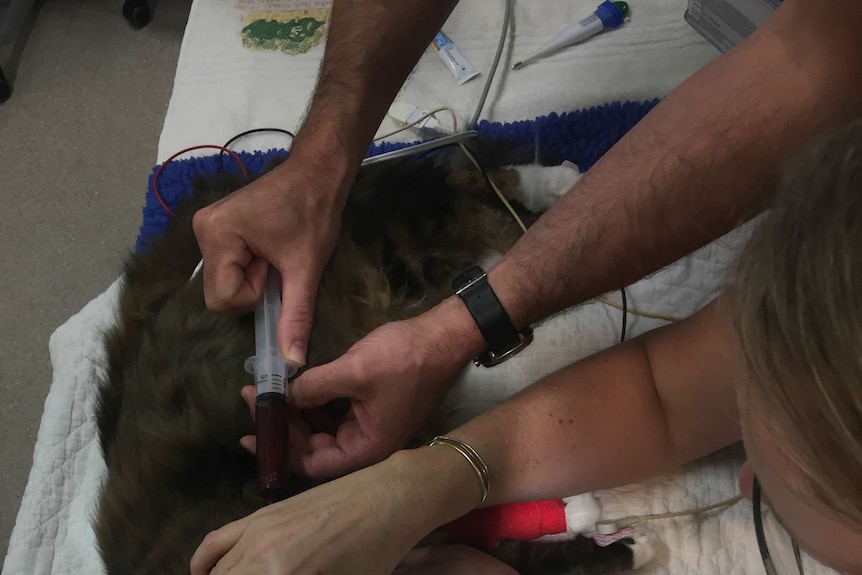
column 420, row 147
column 506, row 17
column 611, row 526
column 424, row 146
column 197, row 270
column 634, row 311
column 495, row 188
column 475, row 163
column 419, row 120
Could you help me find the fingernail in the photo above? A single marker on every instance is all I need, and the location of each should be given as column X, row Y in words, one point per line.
column 249, row 443
column 295, row 355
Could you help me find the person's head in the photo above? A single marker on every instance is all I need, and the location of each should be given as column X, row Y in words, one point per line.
column 798, row 316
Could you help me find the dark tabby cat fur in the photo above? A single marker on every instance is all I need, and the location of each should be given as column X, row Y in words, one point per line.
column 169, row 411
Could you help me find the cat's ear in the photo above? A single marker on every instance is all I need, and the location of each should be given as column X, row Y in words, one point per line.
column 572, row 165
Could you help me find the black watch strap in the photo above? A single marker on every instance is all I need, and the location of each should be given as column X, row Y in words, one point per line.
column 502, row 338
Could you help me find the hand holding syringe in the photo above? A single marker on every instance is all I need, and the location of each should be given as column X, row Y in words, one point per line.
column 271, row 374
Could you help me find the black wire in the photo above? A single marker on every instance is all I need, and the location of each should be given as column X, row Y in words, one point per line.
column 248, row 133
column 625, row 315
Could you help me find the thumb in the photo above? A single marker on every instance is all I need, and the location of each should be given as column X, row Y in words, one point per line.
column 320, row 385
column 297, row 313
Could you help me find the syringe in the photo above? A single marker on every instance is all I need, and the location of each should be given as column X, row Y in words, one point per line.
column 271, row 373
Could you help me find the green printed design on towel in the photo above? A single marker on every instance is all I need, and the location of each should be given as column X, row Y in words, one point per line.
column 287, row 32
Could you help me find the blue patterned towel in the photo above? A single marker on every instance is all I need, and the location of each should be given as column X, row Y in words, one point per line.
column 581, row 137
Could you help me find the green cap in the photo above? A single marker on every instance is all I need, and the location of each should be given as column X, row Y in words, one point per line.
column 624, row 7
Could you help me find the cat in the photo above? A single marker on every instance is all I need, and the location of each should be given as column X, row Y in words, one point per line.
column 169, row 413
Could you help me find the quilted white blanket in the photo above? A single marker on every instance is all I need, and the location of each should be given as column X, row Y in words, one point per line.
column 645, row 59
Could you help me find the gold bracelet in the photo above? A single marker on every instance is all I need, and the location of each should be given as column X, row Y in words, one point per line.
column 470, row 454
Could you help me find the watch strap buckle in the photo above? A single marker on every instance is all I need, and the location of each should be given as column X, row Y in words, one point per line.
column 491, row 358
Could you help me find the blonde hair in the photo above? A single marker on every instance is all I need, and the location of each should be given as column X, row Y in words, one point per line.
column 798, row 316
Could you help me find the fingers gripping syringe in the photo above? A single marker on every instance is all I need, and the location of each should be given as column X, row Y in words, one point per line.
column 271, row 374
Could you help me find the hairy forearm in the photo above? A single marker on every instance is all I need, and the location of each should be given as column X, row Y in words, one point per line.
column 371, row 47
column 703, row 161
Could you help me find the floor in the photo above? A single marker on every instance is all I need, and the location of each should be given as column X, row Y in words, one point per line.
column 77, row 142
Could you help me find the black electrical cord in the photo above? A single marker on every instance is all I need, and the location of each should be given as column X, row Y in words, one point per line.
column 248, row 133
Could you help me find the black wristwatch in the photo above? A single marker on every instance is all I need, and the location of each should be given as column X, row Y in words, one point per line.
column 502, row 338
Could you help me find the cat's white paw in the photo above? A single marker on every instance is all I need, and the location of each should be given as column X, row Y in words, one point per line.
column 541, row 186
column 643, row 549
column 561, row 178
column 582, row 512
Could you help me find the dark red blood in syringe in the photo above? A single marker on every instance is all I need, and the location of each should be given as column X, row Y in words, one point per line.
column 273, row 475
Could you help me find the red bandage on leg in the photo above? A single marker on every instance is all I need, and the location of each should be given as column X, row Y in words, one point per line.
column 521, row 521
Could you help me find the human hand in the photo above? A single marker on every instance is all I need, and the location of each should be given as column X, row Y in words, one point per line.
column 360, row 524
column 291, row 218
column 363, row 523
column 393, row 378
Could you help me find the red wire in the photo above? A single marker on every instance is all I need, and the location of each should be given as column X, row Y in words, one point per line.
column 180, row 153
